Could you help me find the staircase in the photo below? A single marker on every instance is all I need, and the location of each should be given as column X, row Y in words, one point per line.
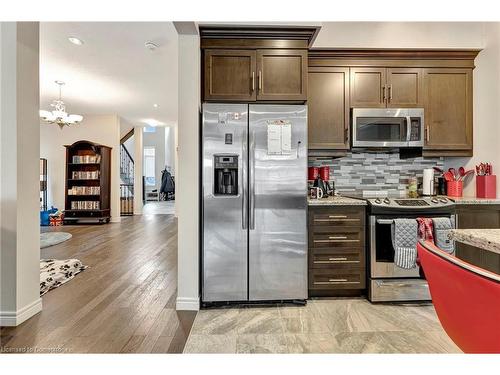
column 127, row 178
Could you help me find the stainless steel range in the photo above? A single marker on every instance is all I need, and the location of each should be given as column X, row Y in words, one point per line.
column 388, row 282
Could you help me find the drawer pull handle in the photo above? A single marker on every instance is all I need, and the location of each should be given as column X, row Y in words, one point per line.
column 334, row 261
column 333, row 220
column 337, row 216
column 343, row 258
column 328, row 241
column 335, row 281
column 338, row 237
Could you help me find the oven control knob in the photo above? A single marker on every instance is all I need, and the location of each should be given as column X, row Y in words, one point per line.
column 378, row 201
column 443, row 200
column 434, row 200
column 387, row 201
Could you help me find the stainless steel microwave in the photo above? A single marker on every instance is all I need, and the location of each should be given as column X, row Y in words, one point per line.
column 387, row 127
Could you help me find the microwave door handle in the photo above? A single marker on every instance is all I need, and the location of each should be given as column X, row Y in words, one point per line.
column 408, row 129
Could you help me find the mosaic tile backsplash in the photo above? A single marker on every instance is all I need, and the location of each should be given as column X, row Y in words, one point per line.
column 367, row 172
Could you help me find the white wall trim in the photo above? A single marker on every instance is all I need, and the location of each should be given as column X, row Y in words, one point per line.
column 187, row 303
column 116, row 219
column 14, row 318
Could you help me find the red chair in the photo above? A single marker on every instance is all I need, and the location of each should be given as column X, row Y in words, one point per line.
column 466, row 299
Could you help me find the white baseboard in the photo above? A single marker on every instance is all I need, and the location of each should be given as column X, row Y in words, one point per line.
column 116, row 219
column 14, row 318
column 187, row 303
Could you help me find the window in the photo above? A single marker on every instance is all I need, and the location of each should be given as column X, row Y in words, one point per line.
column 149, row 166
column 149, row 129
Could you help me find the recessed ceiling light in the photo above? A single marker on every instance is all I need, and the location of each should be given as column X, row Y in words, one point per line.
column 155, row 105
column 75, row 40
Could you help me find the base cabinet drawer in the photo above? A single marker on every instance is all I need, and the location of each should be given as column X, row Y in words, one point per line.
column 337, row 278
column 334, row 239
column 347, row 258
column 321, row 216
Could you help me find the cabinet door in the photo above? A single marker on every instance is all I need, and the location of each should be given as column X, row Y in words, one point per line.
column 404, row 87
column 368, row 87
column 229, row 75
column 282, row 74
column 328, row 108
column 448, row 109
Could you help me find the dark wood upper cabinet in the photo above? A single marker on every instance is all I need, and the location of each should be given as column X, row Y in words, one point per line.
column 282, row 74
column 404, row 87
column 328, row 108
column 368, row 87
column 448, row 111
column 230, row 75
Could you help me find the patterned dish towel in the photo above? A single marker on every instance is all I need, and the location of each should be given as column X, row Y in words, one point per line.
column 425, row 229
column 404, row 241
column 54, row 273
column 442, row 227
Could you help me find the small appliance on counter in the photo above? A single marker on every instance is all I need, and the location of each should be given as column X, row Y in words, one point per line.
column 486, row 181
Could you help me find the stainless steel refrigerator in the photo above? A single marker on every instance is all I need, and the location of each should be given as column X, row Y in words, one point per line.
column 254, row 245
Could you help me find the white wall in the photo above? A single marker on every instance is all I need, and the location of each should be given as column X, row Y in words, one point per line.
column 102, row 129
column 19, row 171
column 187, row 181
column 138, row 154
column 399, row 35
column 170, row 148
column 439, row 35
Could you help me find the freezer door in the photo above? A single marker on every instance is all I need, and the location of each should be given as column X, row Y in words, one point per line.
column 277, row 202
column 225, row 233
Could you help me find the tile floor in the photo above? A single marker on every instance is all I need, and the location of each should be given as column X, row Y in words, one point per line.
column 322, row 326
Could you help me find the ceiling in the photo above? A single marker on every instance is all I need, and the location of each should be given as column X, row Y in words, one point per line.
column 112, row 72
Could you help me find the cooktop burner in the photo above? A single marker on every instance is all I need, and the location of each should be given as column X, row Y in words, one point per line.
column 422, row 204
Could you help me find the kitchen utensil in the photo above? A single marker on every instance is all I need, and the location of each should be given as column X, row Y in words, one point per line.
column 448, row 176
column 461, row 171
column 464, row 174
column 453, row 171
column 441, row 186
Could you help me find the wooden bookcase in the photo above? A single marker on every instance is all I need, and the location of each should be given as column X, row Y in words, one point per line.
column 88, row 183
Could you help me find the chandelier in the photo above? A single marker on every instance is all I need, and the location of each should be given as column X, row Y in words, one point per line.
column 59, row 115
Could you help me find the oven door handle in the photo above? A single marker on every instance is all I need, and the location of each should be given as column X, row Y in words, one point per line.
column 385, row 221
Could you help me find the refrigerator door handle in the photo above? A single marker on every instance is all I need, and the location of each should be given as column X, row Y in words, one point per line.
column 244, row 201
column 251, row 171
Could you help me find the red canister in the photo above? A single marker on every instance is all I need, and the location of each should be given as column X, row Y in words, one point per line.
column 324, row 173
column 312, row 173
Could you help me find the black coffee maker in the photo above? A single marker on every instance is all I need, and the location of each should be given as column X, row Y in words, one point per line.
column 323, row 185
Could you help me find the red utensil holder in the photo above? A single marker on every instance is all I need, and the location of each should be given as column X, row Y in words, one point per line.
column 455, row 188
column 324, row 173
column 486, row 186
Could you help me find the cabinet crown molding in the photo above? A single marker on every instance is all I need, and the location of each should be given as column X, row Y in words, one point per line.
column 305, row 33
column 394, row 53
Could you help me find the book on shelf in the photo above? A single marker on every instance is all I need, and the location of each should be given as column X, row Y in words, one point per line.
column 85, row 175
column 85, row 205
column 84, row 190
column 86, row 159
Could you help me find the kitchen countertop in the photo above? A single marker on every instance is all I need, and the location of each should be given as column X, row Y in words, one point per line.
column 336, row 201
column 487, row 239
column 474, row 200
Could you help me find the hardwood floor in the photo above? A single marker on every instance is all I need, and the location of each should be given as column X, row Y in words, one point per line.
column 124, row 302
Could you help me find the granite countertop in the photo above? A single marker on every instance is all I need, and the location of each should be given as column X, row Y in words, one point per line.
column 336, row 201
column 474, row 200
column 487, row 239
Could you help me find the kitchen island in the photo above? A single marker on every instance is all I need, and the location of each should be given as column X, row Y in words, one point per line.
column 487, row 239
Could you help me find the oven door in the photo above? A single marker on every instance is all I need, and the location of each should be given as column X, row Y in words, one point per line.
column 379, row 127
column 382, row 252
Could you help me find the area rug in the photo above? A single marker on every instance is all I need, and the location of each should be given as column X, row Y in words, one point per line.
column 53, row 238
column 54, row 273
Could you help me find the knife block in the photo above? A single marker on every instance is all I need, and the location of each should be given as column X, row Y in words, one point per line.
column 486, row 186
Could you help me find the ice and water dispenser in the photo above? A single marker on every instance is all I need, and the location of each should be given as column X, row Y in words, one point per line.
column 226, row 174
